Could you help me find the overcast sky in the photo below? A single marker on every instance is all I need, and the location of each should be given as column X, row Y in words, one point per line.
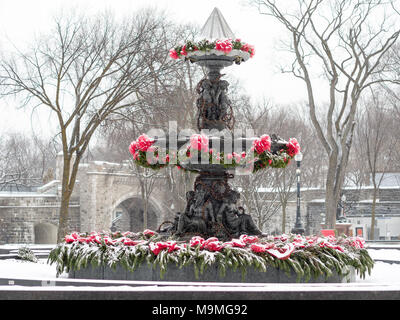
column 21, row 20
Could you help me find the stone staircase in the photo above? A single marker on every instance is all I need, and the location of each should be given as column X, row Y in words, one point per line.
column 41, row 251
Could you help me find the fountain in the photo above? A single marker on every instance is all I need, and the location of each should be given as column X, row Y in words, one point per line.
column 212, row 208
column 214, row 236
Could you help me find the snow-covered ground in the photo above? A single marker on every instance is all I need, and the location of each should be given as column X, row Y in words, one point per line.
column 381, row 273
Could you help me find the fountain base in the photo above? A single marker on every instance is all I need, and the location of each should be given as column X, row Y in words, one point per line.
column 173, row 273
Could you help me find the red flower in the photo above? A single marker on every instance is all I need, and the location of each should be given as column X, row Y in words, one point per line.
column 292, row 147
column 130, row 242
column 236, row 156
column 212, row 244
column 252, row 51
column 183, row 51
column 75, row 235
column 195, row 241
column 245, row 47
column 235, row 243
column 149, row 233
column 157, row 247
column 108, row 240
column 199, row 142
column 248, row 48
column 283, row 252
column 356, row 242
column 143, row 143
column 258, row 247
column 69, row 238
column 262, row 144
column 248, row 239
column 223, row 45
column 173, row 54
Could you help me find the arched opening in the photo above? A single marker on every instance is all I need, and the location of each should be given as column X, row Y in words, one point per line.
column 129, row 216
column 45, row 233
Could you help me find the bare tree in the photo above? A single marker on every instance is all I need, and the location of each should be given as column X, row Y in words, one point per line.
column 24, row 161
column 83, row 71
column 377, row 140
column 258, row 197
column 342, row 43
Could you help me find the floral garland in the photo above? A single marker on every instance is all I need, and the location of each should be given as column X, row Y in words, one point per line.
column 227, row 47
column 147, row 155
column 310, row 256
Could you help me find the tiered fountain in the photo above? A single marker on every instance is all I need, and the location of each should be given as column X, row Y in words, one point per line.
column 212, row 208
column 214, row 236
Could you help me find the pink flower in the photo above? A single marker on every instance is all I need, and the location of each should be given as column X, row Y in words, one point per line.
column 212, row 244
column 248, row 48
column 234, row 243
column 183, row 51
column 157, row 247
column 133, row 147
column 245, row 47
column 262, row 144
column 108, row 240
column 248, row 239
column 252, row 51
column 224, row 45
column 148, row 233
column 143, row 143
column 258, row 247
column 173, row 54
column 356, row 242
column 283, row 252
column 69, row 238
column 195, row 241
column 199, row 142
column 292, row 147
column 236, row 156
column 130, row 242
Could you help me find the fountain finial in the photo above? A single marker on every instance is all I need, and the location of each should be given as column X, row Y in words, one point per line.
column 216, row 27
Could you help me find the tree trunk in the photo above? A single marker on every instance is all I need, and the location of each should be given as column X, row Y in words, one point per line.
column 372, row 233
column 63, row 226
column 145, row 213
column 283, row 218
column 65, row 197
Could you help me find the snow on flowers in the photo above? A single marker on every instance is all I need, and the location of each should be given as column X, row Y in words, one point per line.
column 307, row 256
column 225, row 46
column 260, row 155
column 280, row 247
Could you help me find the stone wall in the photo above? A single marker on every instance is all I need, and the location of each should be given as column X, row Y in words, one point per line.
column 104, row 186
column 19, row 215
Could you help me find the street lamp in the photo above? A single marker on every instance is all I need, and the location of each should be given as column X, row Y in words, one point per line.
column 341, row 204
column 298, row 227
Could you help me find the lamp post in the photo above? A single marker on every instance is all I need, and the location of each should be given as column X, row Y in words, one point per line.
column 341, row 204
column 298, row 227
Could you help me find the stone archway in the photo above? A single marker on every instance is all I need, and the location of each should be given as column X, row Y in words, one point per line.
column 45, row 233
column 129, row 215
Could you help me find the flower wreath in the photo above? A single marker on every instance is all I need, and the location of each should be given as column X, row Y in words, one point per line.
column 227, row 47
column 147, row 155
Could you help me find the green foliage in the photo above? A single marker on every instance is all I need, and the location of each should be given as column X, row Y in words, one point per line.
column 26, row 254
column 306, row 263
